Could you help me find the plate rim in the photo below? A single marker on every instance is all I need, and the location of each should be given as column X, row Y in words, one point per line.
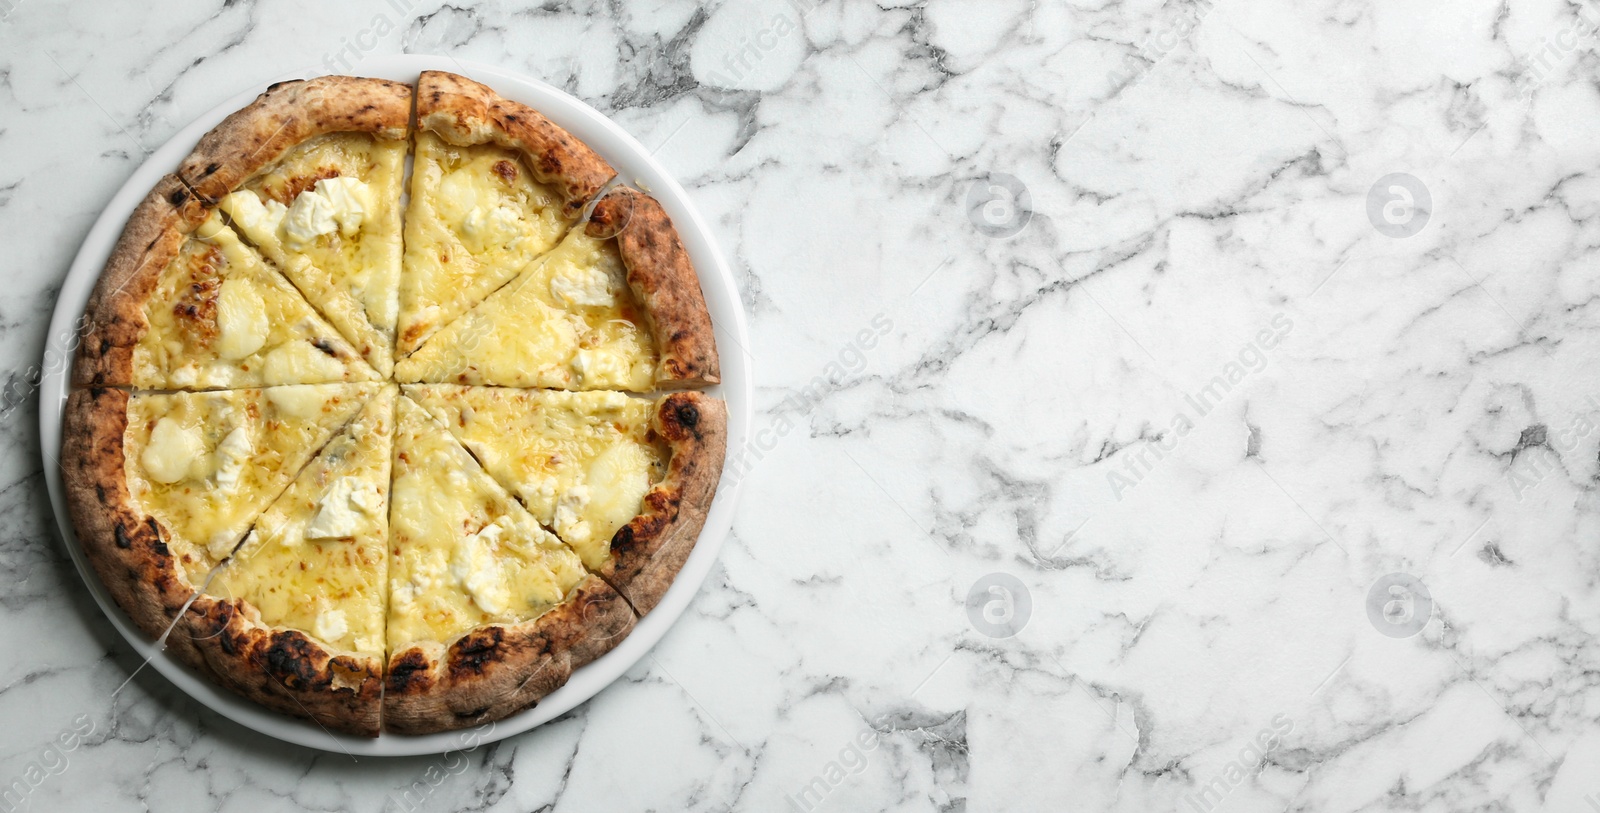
column 635, row 165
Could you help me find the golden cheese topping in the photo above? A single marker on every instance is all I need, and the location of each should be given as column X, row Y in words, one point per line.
column 463, row 552
column 220, row 317
column 317, row 559
column 328, row 214
column 570, row 321
column 477, row 217
column 206, row 464
column 581, row 462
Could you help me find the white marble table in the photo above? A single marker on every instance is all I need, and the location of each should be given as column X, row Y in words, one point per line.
column 1194, row 398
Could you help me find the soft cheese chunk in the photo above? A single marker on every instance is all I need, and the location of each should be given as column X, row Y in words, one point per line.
column 475, row 570
column 259, row 221
column 335, row 204
column 620, row 477
column 582, row 286
column 597, row 367
column 490, row 226
column 310, row 216
column 613, row 488
column 300, row 401
column 332, row 625
column 231, row 456
column 295, row 362
column 241, row 319
column 172, row 449
column 344, row 509
column 350, row 200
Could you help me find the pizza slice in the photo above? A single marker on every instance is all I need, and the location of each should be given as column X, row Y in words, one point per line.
column 196, row 309
column 488, row 612
column 494, row 184
column 311, row 173
column 294, row 620
column 616, row 305
column 163, row 487
column 625, row 481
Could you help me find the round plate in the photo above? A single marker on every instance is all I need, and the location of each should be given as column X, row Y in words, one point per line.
column 637, row 167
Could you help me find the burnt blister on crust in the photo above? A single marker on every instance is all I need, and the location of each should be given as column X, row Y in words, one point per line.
column 623, row 540
column 409, row 672
column 476, row 650
column 610, row 216
column 680, row 418
column 688, row 415
column 659, row 509
column 291, row 658
column 212, row 624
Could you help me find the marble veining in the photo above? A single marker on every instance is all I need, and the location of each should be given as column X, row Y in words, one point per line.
column 1183, row 406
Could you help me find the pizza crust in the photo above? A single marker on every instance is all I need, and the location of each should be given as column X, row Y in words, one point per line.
column 648, row 552
column 464, row 112
column 115, row 313
column 123, row 544
column 287, row 114
column 664, row 280
column 284, row 669
column 495, row 671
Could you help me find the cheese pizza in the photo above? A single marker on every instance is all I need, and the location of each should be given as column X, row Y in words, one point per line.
column 392, row 465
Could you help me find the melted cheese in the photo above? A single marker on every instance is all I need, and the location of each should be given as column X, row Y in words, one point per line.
column 580, row 461
column 218, row 313
column 477, row 217
column 618, row 479
column 328, row 214
column 207, row 464
column 568, row 322
column 317, row 558
column 464, row 552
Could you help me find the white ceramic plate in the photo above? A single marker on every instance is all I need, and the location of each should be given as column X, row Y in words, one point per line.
column 637, row 167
